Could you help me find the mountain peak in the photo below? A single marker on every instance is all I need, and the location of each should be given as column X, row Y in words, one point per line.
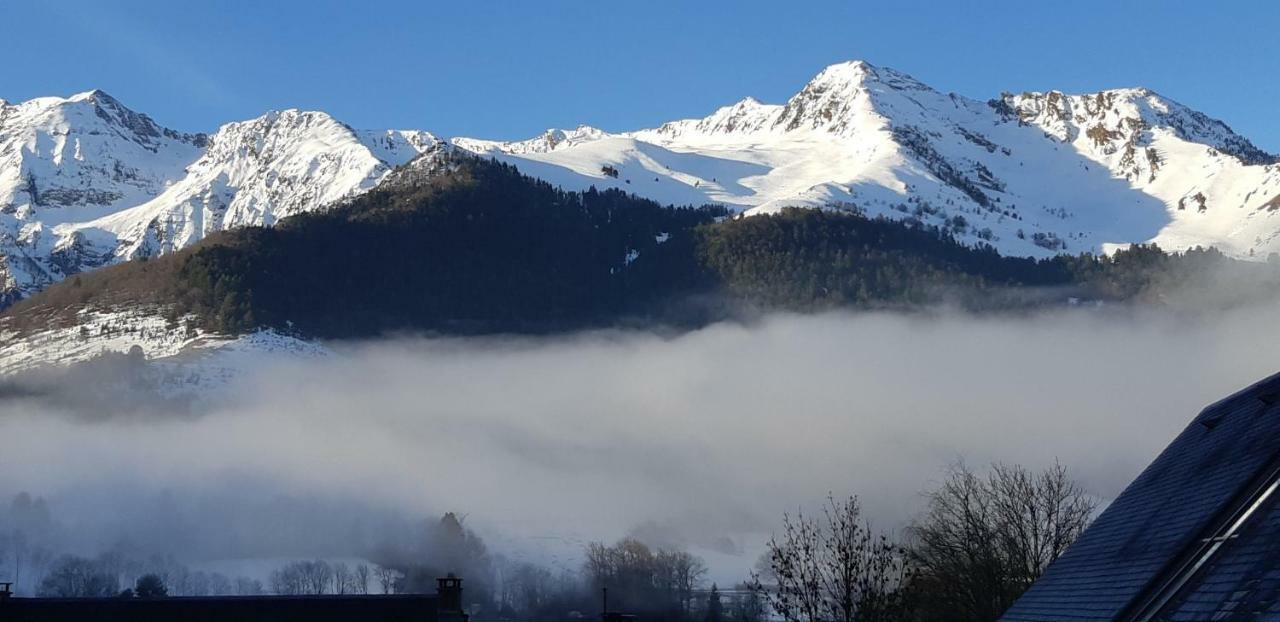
column 746, row 103
column 94, row 96
column 844, row 77
column 840, row 97
column 142, row 128
column 856, row 74
column 289, row 114
column 280, row 127
column 288, row 121
column 850, row 69
column 747, row 115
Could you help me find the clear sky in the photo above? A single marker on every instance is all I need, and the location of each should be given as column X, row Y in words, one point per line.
column 495, row 69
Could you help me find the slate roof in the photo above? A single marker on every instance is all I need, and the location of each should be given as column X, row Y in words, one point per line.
column 1191, row 489
column 1241, row 584
column 350, row 608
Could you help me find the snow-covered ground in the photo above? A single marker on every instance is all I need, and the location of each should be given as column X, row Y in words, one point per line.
column 179, row 362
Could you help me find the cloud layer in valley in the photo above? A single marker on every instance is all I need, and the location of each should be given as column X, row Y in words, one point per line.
column 701, row 439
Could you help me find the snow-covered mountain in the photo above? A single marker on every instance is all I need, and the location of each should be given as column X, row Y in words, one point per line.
column 72, row 160
column 1032, row 174
column 84, row 181
column 254, row 173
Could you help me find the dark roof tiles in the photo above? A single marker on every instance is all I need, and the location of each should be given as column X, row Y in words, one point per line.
column 1162, row 513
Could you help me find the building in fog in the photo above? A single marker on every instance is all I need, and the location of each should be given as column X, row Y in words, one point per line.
column 1195, row 537
column 444, row 606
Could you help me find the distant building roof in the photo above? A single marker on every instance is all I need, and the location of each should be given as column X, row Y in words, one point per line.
column 406, row 608
column 1195, row 537
column 445, row 606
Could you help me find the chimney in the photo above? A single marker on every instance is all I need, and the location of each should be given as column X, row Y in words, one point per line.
column 449, row 599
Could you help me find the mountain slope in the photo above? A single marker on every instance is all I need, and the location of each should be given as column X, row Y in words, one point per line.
column 448, row 243
column 455, row 244
column 1217, row 188
column 1032, row 174
column 85, row 182
column 255, row 173
column 69, row 160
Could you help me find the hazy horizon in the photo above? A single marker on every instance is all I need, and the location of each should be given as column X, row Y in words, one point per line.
column 703, row 438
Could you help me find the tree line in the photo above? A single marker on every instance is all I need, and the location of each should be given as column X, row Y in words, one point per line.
column 981, row 540
column 980, row 543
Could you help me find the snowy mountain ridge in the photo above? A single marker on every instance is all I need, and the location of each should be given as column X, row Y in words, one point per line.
column 85, row 182
column 255, row 173
column 1031, row 174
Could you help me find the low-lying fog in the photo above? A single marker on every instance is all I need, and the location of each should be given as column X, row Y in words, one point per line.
column 702, row 439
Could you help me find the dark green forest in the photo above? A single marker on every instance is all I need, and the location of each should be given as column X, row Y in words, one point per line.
column 476, row 247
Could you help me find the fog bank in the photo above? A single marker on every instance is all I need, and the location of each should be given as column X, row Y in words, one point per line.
column 701, row 439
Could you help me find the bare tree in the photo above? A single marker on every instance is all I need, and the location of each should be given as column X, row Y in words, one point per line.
column 641, row 579
column 682, row 573
column 984, row 540
column 360, row 579
column 178, row 578
column 628, row 569
column 115, row 565
column 748, row 607
column 317, row 576
column 833, row 568
column 197, row 584
column 36, row 564
column 220, row 585
column 387, row 578
column 248, row 587
column 1040, row 515
column 341, row 578
column 528, row 587
column 287, row 580
column 75, row 577
column 302, row 577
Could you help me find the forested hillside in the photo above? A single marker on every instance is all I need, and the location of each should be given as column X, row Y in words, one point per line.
column 467, row 245
column 475, row 248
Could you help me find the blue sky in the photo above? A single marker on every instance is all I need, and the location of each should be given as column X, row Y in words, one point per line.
column 510, row 69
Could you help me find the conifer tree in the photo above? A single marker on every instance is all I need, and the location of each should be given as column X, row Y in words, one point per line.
column 715, row 610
